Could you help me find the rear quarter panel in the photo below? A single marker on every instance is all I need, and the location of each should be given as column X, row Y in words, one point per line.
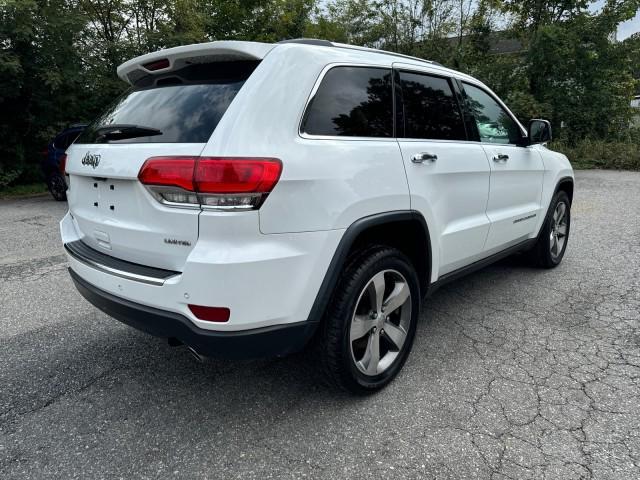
column 326, row 183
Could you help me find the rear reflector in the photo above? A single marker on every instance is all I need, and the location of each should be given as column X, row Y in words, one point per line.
column 222, row 183
column 157, row 65
column 210, row 314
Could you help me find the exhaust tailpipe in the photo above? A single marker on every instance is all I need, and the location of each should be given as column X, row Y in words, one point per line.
column 199, row 358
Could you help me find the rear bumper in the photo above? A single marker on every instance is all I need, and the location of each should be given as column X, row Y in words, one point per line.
column 264, row 280
column 272, row 341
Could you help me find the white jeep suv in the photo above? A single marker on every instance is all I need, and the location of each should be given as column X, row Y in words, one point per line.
column 250, row 199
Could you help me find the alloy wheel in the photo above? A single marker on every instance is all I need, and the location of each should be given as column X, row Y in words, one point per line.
column 559, row 229
column 380, row 323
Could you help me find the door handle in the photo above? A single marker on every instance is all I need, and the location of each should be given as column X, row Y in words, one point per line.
column 501, row 157
column 422, row 157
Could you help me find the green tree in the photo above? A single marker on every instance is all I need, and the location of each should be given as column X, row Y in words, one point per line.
column 39, row 79
column 535, row 13
column 58, row 58
column 587, row 78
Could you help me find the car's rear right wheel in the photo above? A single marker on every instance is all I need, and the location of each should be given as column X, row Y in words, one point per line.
column 370, row 325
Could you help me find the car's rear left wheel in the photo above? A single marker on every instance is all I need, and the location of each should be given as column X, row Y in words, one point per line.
column 370, row 325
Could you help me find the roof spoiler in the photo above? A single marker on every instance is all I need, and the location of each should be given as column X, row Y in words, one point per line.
column 178, row 57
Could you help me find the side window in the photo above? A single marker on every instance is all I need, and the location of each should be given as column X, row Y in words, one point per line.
column 495, row 125
column 431, row 110
column 352, row 102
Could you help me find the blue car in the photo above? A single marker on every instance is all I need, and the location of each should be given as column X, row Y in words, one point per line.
column 54, row 160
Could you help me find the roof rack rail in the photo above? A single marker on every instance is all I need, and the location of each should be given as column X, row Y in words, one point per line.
column 327, row 43
column 309, row 41
column 386, row 52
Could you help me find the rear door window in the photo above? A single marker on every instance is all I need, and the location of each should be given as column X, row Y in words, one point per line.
column 430, row 108
column 183, row 106
column 352, row 102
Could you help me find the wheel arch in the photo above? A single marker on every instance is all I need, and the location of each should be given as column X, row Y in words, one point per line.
column 406, row 230
column 565, row 184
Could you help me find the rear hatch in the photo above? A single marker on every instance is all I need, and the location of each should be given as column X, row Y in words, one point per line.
column 172, row 113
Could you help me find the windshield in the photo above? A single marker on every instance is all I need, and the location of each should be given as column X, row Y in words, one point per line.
column 184, row 106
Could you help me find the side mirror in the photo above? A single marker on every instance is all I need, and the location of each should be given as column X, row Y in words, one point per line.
column 539, row 131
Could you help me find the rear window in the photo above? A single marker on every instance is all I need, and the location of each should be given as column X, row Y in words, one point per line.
column 431, row 110
column 352, row 102
column 183, row 106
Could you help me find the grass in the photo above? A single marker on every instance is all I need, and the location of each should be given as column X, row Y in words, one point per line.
column 600, row 154
column 29, row 189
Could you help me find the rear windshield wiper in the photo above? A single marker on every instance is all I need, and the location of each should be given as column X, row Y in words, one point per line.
column 120, row 131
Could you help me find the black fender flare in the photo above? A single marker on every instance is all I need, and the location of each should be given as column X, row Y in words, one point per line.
column 562, row 181
column 344, row 246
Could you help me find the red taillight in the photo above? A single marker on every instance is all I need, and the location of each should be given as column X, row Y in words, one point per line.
column 62, row 165
column 169, row 172
column 211, row 314
column 237, row 175
column 218, row 182
column 157, row 64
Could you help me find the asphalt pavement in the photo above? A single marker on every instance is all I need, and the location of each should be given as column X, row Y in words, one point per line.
column 516, row 373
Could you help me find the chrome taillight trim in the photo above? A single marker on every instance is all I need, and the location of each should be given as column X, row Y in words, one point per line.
column 156, row 192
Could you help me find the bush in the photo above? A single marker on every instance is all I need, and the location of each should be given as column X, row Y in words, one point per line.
column 19, row 174
column 8, row 176
column 621, row 155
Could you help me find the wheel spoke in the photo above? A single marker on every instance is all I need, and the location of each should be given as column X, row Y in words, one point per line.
column 396, row 335
column 561, row 209
column 562, row 230
column 371, row 356
column 396, row 298
column 554, row 245
column 361, row 326
column 376, row 291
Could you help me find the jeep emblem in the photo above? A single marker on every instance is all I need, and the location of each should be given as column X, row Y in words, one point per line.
column 92, row 159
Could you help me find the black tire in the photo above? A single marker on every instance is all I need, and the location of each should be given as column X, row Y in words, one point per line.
column 542, row 254
column 57, row 186
column 334, row 349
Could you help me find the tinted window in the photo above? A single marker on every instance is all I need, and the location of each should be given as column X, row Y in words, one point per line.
column 495, row 125
column 64, row 141
column 352, row 101
column 185, row 105
column 430, row 108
